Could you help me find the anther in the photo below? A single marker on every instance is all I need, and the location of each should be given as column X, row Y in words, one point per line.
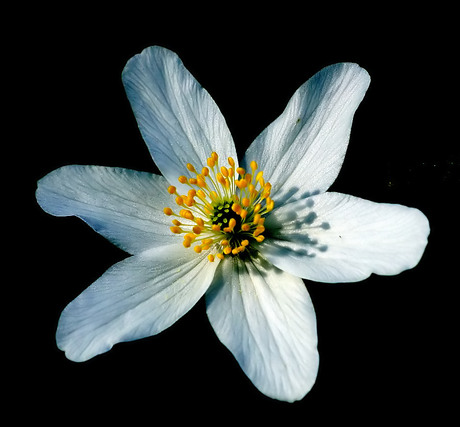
column 224, row 171
column 241, row 171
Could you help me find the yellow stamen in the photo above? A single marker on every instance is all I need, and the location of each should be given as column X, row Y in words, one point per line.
column 241, row 171
column 242, row 183
column 224, row 171
column 236, row 208
column 225, row 212
column 184, row 213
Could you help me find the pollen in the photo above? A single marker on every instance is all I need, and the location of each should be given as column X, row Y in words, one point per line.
column 223, row 211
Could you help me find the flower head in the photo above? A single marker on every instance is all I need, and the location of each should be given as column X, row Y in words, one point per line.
column 243, row 234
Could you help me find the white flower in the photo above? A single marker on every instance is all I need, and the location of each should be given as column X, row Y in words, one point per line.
column 243, row 238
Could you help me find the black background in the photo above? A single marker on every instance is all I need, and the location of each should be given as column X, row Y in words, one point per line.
column 386, row 344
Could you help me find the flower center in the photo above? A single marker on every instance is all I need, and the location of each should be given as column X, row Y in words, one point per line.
column 224, row 210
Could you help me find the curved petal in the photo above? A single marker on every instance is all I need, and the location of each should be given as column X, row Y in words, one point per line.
column 335, row 237
column 178, row 119
column 303, row 150
column 265, row 317
column 123, row 205
column 135, row 298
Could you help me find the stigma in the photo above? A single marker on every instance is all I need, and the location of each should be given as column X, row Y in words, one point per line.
column 224, row 210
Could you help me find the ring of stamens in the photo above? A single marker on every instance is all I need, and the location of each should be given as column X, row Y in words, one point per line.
column 224, row 209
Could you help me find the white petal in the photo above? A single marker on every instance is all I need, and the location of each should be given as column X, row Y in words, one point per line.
column 303, row 150
column 178, row 119
column 125, row 206
column 265, row 317
column 335, row 237
column 137, row 297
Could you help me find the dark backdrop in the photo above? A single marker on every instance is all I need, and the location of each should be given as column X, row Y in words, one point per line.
column 385, row 344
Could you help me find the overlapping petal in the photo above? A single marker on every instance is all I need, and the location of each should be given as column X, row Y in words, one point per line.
column 136, row 298
column 178, row 119
column 123, row 205
column 265, row 317
column 302, row 151
column 335, row 237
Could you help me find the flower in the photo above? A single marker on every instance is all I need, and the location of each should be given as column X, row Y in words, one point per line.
column 242, row 234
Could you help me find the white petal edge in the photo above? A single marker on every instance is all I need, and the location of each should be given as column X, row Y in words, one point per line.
column 178, row 119
column 302, row 151
column 135, row 298
column 265, row 317
column 335, row 237
column 123, row 205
